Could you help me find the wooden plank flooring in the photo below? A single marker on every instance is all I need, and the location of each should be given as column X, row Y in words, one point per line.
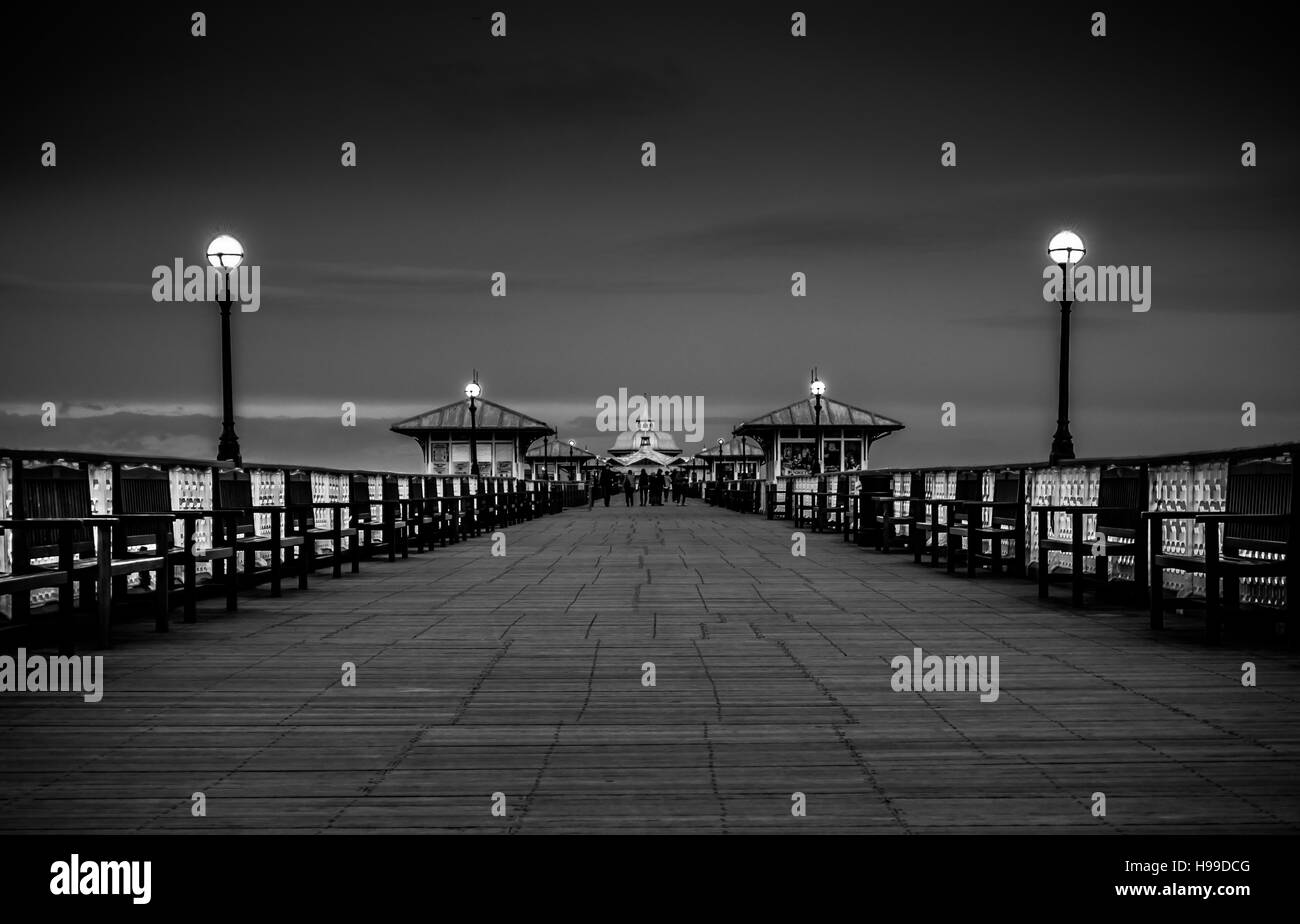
column 522, row 675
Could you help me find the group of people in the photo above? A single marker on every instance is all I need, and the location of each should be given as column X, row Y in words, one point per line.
column 650, row 487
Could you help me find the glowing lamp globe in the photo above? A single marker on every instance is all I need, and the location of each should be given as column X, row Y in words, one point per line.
column 225, row 252
column 818, row 387
column 472, row 390
column 1066, row 247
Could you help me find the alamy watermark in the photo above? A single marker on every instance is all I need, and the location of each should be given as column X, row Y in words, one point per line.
column 59, row 674
column 668, row 413
column 922, row 673
column 193, row 283
column 1079, row 283
column 76, row 876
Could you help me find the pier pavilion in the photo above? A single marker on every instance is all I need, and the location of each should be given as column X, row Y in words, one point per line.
column 501, row 436
column 553, row 459
column 738, row 457
column 791, row 437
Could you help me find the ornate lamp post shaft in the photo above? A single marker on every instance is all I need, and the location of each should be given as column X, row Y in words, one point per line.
column 226, row 254
column 228, row 445
column 1065, row 249
column 1062, row 441
column 818, row 388
column 472, row 391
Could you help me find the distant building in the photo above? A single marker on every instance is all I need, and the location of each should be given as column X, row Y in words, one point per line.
column 645, row 448
column 555, row 460
column 501, row 435
column 738, row 457
column 790, row 437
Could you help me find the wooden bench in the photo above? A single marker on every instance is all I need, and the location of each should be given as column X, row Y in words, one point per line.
column 450, row 510
column 968, row 488
column 394, row 508
column 235, row 495
column 863, row 526
column 24, row 576
column 422, row 515
column 890, row 519
column 390, row 529
column 301, row 512
column 146, row 489
column 1259, row 520
column 1006, row 524
column 1121, row 500
column 62, row 492
column 467, row 505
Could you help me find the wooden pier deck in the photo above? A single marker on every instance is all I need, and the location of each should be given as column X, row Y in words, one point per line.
column 522, row 675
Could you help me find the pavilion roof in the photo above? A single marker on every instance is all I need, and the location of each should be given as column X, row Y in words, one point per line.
column 834, row 415
column 454, row 419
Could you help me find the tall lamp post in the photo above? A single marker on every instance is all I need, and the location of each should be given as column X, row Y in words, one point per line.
column 573, row 472
column 1065, row 249
column 717, row 470
column 226, row 253
column 818, row 388
column 472, row 391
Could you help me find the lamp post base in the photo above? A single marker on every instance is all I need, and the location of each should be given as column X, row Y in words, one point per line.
column 1062, row 447
column 228, row 448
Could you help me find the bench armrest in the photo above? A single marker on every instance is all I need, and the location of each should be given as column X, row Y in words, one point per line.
column 132, row 517
column 1243, row 517
column 58, row 522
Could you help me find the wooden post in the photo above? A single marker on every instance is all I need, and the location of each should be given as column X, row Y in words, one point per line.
column 104, row 581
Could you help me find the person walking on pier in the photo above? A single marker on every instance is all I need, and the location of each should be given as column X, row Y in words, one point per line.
column 606, row 484
column 629, row 487
column 643, row 486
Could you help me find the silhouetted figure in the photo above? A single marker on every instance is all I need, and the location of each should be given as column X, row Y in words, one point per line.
column 679, row 489
column 606, row 484
column 643, row 486
column 629, row 487
column 657, row 489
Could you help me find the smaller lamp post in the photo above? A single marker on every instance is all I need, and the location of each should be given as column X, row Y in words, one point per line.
column 818, row 388
column 1064, row 249
column 226, row 253
column 472, row 391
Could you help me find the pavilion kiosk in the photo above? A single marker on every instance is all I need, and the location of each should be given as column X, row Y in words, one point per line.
column 501, row 437
column 738, row 458
column 814, row 437
column 552, row 459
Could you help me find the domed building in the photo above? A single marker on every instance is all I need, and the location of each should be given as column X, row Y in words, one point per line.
column 645, row 447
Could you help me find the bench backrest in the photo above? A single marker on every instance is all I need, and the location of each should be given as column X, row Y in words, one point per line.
column 1259, row 488
column 391, row 492
column 970, row 486
column 359, row 497
column 1121, row 494
column 1007, row 490
column 236, row 493
column 141, row 489
column 300, row 502
column 53, row 490
column 415, row 488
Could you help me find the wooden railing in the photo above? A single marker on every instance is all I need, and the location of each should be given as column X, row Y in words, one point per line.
column 193, row 487
column 1185, row 482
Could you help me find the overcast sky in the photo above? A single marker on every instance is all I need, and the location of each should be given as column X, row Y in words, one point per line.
column 522, row 155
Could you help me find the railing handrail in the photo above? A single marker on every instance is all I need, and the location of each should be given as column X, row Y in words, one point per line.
column 81, row 455
column 1269, row 449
